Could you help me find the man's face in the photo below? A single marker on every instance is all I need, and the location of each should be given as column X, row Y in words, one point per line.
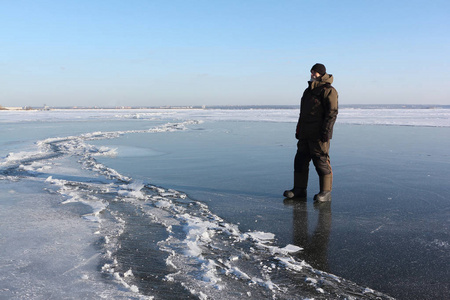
column 315, row 75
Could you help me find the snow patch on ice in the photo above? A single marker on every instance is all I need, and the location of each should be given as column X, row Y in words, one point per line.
column 132, row 190
column 74, row 193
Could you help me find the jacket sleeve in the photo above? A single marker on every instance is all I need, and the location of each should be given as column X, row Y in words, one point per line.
column 297, row 128
column 330, row 103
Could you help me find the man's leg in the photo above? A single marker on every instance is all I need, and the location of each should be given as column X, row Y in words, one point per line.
column 301, row 171
column 321, row 160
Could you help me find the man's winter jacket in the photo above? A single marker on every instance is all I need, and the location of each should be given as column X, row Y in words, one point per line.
column 318, row 110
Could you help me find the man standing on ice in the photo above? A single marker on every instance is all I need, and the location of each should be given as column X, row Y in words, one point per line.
column 318, row 112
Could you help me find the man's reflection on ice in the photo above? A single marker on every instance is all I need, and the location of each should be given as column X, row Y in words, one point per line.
column 315, row 247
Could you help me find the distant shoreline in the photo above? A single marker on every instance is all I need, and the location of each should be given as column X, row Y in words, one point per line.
column 229, row 107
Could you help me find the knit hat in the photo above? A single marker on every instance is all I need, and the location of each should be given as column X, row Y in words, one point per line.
column 319, row 68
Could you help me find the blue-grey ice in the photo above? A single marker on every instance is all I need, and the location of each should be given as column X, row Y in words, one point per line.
column 116, row 204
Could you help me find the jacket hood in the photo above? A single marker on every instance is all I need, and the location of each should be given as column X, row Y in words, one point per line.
column 327, row 78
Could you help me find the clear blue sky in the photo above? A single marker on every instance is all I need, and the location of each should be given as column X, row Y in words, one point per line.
column 221, row 52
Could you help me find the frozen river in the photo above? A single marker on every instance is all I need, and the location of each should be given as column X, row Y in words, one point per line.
column 164, row 204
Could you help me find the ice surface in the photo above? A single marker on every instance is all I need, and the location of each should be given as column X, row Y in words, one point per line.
column 150, row 240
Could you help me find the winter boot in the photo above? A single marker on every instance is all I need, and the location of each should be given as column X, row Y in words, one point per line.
column 326, row 182
column 300, row 184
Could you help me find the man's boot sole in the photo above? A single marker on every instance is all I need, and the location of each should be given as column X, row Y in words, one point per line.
column 325, row 197
column 290, row 194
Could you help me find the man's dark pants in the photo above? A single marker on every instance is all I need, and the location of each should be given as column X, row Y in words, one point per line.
column 314, row 150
